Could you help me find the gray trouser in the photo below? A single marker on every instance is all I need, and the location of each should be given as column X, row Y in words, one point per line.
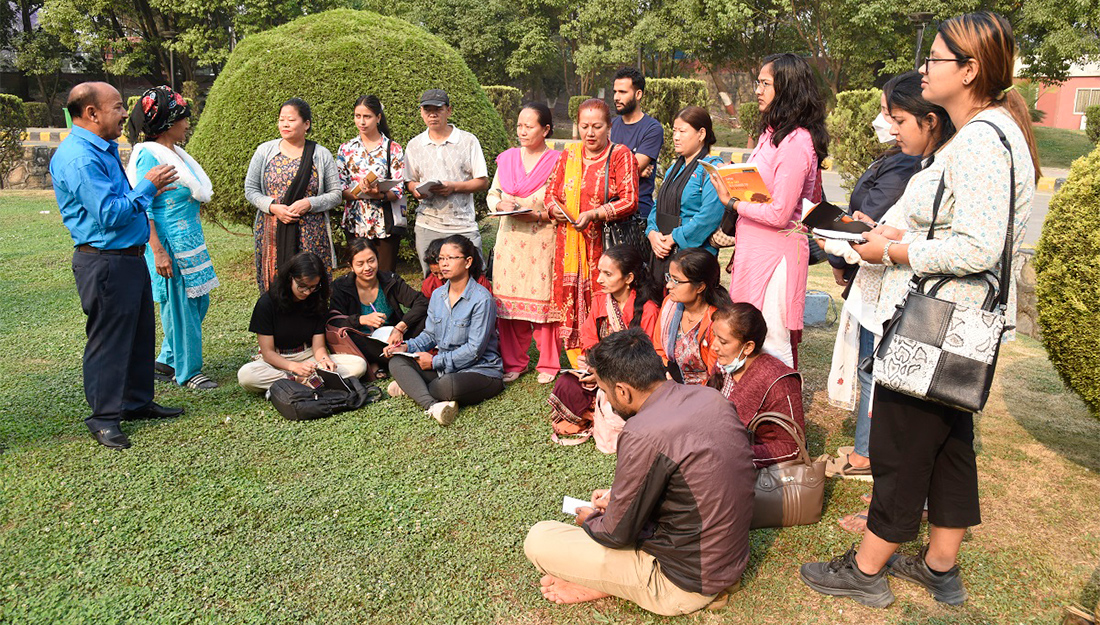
column 424, row 238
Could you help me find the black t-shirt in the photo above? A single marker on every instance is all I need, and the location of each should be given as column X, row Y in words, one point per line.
column 291, row 329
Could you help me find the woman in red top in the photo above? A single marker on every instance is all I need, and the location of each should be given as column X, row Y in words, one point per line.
column 627, row 299
column 756, row 382
column 595, row 181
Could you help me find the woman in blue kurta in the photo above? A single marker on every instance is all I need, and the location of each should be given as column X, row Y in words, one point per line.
column 688, row 209
column 182, row 272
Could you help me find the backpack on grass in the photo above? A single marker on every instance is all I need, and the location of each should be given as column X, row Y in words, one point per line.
column 298, row 402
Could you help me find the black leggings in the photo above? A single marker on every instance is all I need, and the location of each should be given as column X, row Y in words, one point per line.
column 428, row 387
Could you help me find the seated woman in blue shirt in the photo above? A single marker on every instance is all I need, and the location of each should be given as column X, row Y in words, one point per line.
column 462, row 328
column 688, row 209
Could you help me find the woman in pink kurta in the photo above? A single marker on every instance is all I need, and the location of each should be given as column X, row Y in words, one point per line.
column 771, row 258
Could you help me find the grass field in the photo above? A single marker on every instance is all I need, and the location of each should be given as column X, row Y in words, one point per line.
column 1059, row 148
column 232, row 515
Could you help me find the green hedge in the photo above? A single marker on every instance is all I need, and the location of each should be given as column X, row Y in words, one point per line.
column 507, row 101
column 748, row 117
column 38, row 114
column 1067, row 266
column 267, row 68
column 854, row 144
column 665, row 97
column 1092, row 123
column 13, row 123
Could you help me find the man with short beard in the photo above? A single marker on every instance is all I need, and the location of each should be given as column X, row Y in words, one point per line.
column 641, row 133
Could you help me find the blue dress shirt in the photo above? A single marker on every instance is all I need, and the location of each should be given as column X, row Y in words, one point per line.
column 466, row 334
column 95, row 199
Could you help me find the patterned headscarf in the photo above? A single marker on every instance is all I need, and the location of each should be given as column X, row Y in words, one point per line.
column 161, row 107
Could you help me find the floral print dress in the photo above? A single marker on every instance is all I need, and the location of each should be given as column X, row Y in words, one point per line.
column 367, row 218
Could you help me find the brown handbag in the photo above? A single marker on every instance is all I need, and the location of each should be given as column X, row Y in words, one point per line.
column 792, row 492
column 337, row 330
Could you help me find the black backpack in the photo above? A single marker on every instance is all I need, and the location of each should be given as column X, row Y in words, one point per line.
column 298, row 402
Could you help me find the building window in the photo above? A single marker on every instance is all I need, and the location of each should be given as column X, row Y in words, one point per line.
column 1085, row 98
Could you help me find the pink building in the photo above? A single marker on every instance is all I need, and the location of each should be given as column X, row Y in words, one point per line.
column 1065, row 104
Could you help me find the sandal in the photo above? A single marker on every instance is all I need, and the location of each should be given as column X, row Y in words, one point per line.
column 840, row 467
column 842, row 452
column 511, row 376
column 381, row 374
column 855, row 523
column 163, row 373
column 201, row 382
column 546, row 378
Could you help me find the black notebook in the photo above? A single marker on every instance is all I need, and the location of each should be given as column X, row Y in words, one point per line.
column 828, row 221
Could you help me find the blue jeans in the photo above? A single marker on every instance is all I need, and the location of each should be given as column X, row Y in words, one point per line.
column 866, row 381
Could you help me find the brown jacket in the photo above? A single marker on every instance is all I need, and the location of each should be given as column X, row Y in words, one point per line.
column 683, row 488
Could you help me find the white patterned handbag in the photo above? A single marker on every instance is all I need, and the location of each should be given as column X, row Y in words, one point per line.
column 938, row 350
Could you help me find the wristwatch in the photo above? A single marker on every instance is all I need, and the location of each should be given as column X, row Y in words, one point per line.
column 886, row 260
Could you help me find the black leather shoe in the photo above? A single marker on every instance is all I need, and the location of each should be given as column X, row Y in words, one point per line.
column 154, row 411
column 112, row 438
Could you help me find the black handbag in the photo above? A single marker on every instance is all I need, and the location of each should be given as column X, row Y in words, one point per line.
column 625, row 231
column 938, row 350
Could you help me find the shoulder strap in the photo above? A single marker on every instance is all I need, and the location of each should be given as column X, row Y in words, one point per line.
column 764, row 399
column 788, row 424
column 607, row 173
column 389, row 172
column 1006, row 253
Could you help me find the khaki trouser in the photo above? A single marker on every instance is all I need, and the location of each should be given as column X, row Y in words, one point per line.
column 258, row 376
column 567, row 552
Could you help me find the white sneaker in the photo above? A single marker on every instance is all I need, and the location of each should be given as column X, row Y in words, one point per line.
column 511, row 376
column 444, row 412
column 394, row 390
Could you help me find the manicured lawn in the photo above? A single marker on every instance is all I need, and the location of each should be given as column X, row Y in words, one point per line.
column 232, row 515
column 1059, row 148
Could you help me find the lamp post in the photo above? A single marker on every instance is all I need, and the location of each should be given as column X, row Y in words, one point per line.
column 168, row 36
column 921, row 20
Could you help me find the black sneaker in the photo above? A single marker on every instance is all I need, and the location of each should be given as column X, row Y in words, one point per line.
column 842, row 578
column 946, row 588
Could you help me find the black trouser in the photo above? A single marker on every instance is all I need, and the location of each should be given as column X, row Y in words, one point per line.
column 428, row 387
column 116, row 295
column 922, row 451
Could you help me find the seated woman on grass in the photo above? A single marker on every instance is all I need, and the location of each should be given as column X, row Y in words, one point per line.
column 289, row 322
column 684, row 337
column 462, row 328
column 434, row 279
column 368, row 299
column 626, row 299
column 755, row 382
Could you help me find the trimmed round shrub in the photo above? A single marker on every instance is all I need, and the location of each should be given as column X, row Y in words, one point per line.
column 329, row 59
column 854, row 144
column 748, row 117
column 507, row 101
column 1092, row 123
column 1067, row 268
column 13, row 123
column 575, row 103
column 38, row 114
column 665, row 97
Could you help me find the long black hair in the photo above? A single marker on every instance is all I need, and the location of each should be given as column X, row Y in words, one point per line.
column 798, row 103
column 629, row 261
column 375, row 105
column 904, row 92
column 469, row 250
column 701, row 267
column 305, row 265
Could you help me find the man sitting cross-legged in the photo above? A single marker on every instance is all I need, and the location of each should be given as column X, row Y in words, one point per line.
column 672, row 534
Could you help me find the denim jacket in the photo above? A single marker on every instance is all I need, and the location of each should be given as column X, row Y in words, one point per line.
column 465, row 334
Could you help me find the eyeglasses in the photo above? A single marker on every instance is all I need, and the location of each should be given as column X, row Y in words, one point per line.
column 929, row 60
column 762, row 84
column 669, row 278
column 304, row 288
column 443, row 259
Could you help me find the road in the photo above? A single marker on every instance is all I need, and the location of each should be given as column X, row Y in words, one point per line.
column 837, row 194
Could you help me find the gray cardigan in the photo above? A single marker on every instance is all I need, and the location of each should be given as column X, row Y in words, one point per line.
column 329, row 190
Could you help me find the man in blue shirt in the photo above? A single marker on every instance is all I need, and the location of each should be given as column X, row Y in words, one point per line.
column 641, row 133
column 109, row 226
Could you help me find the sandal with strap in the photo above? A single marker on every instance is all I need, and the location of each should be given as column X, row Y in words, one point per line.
column 163, row 373
column 201, row 382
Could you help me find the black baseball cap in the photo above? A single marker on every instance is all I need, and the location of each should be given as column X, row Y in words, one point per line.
column 435, row 97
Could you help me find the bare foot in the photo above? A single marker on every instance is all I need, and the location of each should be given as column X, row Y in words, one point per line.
column 854, row 523
column 560, row 591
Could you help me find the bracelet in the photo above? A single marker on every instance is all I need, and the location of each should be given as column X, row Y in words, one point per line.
column 886, row 260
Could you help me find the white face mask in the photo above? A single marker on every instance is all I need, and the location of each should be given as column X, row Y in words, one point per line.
column 736, row 365
column 882, row 129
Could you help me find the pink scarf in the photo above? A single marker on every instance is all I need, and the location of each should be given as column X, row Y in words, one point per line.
column 515, row 181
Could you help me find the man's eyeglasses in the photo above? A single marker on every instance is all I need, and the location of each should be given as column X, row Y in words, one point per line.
column 927, row 62
column 306, row 289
